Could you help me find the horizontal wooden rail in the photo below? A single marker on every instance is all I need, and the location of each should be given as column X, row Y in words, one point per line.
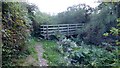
column 62, row 25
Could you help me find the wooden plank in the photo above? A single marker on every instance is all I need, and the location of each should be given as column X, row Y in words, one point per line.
column 71, row 33
column 55, row 25
column 54, row 30
column 61, row 24
column 57, row 30
column 60, row 27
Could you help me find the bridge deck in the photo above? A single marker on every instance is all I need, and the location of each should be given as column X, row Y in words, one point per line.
column 64, row 29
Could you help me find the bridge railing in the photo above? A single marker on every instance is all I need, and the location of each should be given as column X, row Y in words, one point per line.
column 65, row 29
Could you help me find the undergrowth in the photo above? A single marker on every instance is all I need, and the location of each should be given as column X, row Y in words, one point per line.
column 31, row 48
column 29, row 52
column 51, row 54
column 67, row 53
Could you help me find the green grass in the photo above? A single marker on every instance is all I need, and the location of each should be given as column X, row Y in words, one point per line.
column 31, row 48
column 50, row 53
column 30, row 45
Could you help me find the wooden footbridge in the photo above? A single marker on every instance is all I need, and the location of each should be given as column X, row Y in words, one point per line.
column 64, row 29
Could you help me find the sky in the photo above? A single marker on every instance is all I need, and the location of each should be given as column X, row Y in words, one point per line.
column 56, row 6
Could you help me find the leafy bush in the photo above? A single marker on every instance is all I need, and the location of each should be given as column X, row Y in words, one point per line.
column 87, row 55
column 14, row 32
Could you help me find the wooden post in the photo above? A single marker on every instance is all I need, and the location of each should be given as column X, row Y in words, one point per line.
column 43, row 32
column 47, row 32
column 76, row 28
column 58, row 28
column 68, row 29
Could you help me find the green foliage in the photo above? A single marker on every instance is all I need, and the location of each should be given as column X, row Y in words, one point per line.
column 37, row 18
column 51, row 54
column 105, row 34
column 13, row 33
column 31, row 48
column 118, row 20
column 16, row 20
column 87, row 55
column 114, row 31
column 67, row 53
column 76, row 13
column 103, row 18
column 43, row 18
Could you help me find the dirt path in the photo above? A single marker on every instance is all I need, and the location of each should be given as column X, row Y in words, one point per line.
column 40, row 50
